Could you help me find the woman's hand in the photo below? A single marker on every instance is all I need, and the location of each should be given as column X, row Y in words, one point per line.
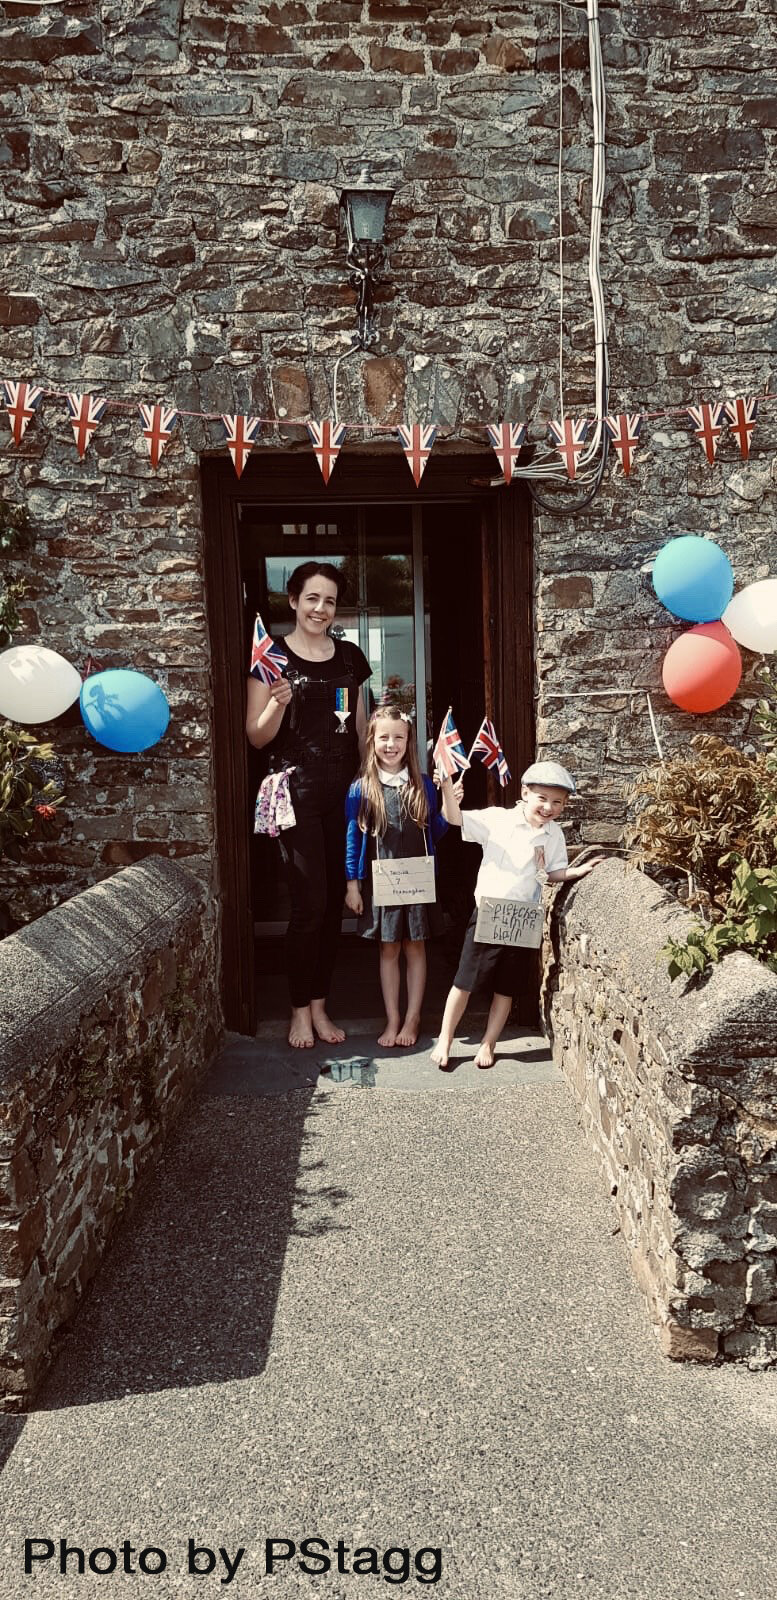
column 280, row 692
column 353, row 897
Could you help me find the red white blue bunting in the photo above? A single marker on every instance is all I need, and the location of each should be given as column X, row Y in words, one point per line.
column 241, row 436
column 158, row 424
column 21, row 400
column 569, row 438
column 416, row 440
column 507, row 438
column 742, row 414
column 86, row 411
column 623, row 430
column 326, row 438
column 708, row 425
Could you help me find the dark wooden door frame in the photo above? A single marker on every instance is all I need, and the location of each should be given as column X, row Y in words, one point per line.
column 291, row 477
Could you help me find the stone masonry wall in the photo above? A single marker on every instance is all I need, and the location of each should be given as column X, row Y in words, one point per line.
column 108, row 1016
column 169, row 230
column 678, row 1092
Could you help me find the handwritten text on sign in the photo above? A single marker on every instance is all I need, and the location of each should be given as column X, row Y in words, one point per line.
column 406, row 881
column 517, row 922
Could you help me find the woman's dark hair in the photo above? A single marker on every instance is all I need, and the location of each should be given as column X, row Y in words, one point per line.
column 314, row 569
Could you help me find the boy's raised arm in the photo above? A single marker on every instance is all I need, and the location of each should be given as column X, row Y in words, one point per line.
column 451, row 809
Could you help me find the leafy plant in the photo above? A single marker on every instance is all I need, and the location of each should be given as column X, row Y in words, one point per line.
column 15, row 528
column 28, row 797
column 10, row 619
column 708, row 822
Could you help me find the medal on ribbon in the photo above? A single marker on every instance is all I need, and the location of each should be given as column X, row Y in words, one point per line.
column 341, row 709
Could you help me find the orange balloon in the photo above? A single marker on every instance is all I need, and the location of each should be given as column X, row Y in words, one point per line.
column 702, row 668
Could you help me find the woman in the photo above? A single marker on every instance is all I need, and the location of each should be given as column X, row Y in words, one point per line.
column 314, row 719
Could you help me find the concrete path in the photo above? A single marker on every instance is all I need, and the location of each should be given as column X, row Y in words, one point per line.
column 391, row 1311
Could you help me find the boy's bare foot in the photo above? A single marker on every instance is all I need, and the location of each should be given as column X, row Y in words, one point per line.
column 409, row 1030
column 324, row 1026
column 388, row 1037
column 440, row 1055
column 485, row 1055
column 300, row 1028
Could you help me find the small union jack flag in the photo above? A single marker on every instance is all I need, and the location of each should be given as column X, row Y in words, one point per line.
column 268, row 660
column 20, row 402
column 326, row 438
column 507, row 438
column 158, row 423
column 449, row 753
column 569, row 437
column 708, row 426
column 86, row 411
column 416, row 440
column 624, row 433
column 487, row 746
column 742, row 414
column 241, row 435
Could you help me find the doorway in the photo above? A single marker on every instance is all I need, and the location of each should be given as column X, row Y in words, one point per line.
column 438, row 598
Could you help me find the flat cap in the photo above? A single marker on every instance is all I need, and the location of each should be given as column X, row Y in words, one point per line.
column 550, row 772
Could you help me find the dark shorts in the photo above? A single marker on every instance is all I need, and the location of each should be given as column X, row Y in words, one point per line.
column 505, row 971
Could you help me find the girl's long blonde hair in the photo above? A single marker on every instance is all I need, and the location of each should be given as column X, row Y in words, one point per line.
column 372, row 806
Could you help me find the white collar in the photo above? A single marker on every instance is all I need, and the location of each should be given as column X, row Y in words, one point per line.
column 393, row 780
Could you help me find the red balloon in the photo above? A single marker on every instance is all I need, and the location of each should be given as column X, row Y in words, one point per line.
column 702, row 668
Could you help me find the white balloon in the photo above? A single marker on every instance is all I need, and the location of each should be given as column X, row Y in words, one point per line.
column 752, row 616
column 36, row 683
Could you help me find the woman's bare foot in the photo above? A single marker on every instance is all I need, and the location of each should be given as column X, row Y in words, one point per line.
column 388, row 1038
column 300, row 1028
column 323, row 1025
column 485, row 1055
column 440, row 1055
column 409, row 1031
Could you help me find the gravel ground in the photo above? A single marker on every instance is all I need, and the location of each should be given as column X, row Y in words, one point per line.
column 403, row 1321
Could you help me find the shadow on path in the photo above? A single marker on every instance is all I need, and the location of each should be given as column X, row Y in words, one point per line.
column 187, row 1294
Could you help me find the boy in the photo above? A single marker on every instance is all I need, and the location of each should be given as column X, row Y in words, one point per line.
column 522, row 846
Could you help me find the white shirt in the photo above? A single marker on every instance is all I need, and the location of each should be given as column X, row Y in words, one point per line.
column 510, row 865
column 393, row 780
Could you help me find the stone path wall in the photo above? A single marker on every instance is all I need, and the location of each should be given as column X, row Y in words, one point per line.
column 109, row 1014
column 678, row 1092
column 171, row 174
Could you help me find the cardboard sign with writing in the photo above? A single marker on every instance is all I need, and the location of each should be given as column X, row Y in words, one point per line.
column 406, row 881
column 511, row 922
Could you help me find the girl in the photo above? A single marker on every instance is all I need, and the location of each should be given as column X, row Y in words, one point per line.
column 392, row 810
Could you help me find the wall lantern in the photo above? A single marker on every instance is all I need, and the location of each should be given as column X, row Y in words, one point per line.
column 364, row 211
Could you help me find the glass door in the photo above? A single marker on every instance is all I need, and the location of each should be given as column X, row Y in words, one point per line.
column 383, row 610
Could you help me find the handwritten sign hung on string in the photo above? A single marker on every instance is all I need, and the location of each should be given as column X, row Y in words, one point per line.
column 405, row 881
column 510, row 922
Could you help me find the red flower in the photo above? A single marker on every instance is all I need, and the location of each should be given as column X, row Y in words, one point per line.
column 46, row 813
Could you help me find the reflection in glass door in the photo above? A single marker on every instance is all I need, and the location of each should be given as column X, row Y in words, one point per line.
column 383, row 610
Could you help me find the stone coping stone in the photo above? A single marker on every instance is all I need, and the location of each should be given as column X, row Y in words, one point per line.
column 627, row 917
column 56, row 969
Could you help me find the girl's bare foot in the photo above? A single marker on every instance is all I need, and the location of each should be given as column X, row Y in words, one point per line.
column 389, row 1034
column 300, row 1028
column 409, row 1030
column 485, row 1055
column 324, row 1026
column 440, row 1055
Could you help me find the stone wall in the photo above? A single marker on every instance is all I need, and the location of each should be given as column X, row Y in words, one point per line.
column 171, row 174
column 108, row 1016
column 678, row 1091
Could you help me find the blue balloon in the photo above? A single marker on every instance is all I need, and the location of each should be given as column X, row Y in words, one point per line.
column 124, row 710
column 693, row 578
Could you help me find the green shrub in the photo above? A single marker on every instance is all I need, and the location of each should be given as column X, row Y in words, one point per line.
column 28, row 797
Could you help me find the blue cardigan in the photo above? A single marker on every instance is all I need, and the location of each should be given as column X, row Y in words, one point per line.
column 356, row 841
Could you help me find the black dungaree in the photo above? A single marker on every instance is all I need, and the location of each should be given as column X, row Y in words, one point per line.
column 313, row 851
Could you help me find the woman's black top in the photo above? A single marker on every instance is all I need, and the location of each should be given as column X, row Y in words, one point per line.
column 311, row 733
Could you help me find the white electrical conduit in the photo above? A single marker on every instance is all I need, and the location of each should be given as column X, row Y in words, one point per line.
column 548, row 467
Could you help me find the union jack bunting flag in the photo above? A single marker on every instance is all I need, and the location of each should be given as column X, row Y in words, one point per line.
column 20, row 402
column 488, row 748
column 241, row 435
column 569, row 437
column 449, row 753
column 416, row 440
column 623, row 430
column 158, row 423
column 326, row 438
column 708, row 424
column 742, row 414
column 86, row 411
column 268, row 660
column 507, row 438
